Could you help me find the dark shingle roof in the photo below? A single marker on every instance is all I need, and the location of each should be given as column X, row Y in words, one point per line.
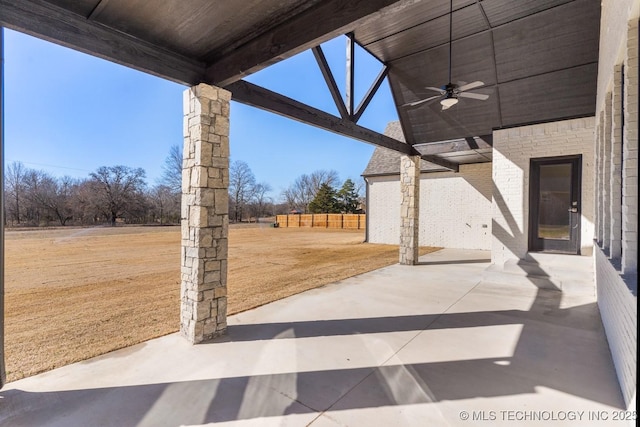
column 387, row 162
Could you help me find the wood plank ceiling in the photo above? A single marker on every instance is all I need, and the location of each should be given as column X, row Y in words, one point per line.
column 538, row 58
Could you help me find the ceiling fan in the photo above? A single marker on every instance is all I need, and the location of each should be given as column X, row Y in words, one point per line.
column 449, row 93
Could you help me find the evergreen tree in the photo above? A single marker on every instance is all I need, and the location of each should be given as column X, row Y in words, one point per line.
column 348, row 197
column 325, row 201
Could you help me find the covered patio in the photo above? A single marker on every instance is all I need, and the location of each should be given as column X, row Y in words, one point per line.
column 434, row 340
column 431, row 344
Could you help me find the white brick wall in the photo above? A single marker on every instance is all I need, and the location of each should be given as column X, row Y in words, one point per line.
column 455, row 208
column 606, row 170
column 613, row 29
column 618, row 308
column 630, row 150
column 512, row 151
column 383, row 212
column 615, row 184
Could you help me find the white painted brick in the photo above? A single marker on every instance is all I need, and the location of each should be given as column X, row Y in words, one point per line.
column 454, row 208
column 618, row 308
column 511, row 180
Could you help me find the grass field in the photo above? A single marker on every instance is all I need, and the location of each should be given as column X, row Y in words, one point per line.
column 74, row 293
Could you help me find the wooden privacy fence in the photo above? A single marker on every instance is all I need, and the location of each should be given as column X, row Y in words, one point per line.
column 347, row 221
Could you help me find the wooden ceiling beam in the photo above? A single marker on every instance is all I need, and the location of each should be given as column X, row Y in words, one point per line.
column 322, row 22
column 452, row 146
column 331, row 81
column 366, row 100
column 454, row 167
column 256, row 96
column 46, row 21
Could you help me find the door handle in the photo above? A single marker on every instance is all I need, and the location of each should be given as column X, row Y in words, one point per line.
column 574, row 210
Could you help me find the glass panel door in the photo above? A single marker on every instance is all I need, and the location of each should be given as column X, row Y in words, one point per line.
column 554, row 202
column 554, row 219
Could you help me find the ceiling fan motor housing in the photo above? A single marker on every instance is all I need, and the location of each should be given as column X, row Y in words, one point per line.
column 451, row 90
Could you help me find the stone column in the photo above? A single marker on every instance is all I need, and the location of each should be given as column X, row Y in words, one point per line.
column 205, row 213
column 409, row 209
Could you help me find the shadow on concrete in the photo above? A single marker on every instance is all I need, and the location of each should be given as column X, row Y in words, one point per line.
column 456, row 262
column 555, row 349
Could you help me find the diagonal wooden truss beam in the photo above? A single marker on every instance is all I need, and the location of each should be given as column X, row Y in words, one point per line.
column 331, row 81
column 256, row 96
column 346, row 109
column 370, row 94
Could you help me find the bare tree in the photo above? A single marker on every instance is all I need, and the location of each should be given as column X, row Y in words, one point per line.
column 14, row 188
column 163, row 201
column 33, row 211
column 242, row 184
column 305, row 188
column 53, row 196
column 320, row 177
column 172, row 170
column 260, row 199
column 84, row 203
column 117, row 189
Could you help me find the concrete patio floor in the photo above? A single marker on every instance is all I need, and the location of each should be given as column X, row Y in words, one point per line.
column 429, row 345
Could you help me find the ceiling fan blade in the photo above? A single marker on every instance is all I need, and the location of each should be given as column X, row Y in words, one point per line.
column 437, row 89
column 480, row 96
column 422, row 101
column 470, row 86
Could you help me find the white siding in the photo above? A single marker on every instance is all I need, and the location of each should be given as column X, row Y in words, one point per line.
column 455, row 208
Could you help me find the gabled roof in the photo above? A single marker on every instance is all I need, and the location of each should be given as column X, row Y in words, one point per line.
column 459, row 151
column 387, row 162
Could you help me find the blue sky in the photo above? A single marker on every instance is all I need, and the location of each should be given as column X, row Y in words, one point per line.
column 69, row 113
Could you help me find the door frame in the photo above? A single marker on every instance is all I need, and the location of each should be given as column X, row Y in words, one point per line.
column 537, row 244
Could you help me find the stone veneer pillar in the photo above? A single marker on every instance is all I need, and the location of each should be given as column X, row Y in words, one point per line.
column 409, row 209
column 205, row 213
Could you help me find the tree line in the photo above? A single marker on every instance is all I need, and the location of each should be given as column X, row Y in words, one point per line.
column 318, row 193
column 113, row 194
column 110, row 194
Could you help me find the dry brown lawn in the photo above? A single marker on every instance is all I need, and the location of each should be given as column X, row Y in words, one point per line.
column 71, row 293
